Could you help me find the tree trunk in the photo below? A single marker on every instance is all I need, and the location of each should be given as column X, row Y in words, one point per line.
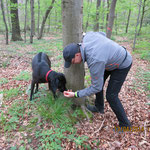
column 96, row 26
column 45, row 18
column 25, row 22
column 143, row 12
column 128, row 20
column 16, row 36
column 89, row 9
column 72, row 14
column 111, row 18
column 32, row 21
column 38, row 23
column 107, row 16
column 103, row 14
column 4, row 19
column 140, row 3
column 8, row 12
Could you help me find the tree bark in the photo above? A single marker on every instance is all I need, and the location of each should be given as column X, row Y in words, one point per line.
column 4, row 19
column 8, row 12
column 16, row 36
column 103, row 14
column 72, row 14
column 96, row 26
column 89, row 9
column 45, row 18
column 143, row 12
column 25, row 22
column 38, row 22
column 128, row 20
column 32, row 21
column 107, row 16
column 111, row 18
column 140, row 3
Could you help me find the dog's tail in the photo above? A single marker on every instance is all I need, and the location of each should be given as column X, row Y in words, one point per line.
column 39, row 56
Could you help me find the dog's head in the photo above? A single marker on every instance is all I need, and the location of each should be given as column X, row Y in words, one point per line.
column 59, row 82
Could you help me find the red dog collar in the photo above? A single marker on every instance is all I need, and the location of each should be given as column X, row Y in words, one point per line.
column 48, row 74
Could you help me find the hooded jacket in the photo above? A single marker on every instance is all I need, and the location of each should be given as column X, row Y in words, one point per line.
column 101, row 54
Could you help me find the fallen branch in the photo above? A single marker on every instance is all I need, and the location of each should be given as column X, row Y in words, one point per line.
column 99, row 127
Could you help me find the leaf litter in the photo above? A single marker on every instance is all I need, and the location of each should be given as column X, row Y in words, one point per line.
column 101, row 130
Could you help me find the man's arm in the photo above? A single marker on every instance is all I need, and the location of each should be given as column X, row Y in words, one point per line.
column 97, row 74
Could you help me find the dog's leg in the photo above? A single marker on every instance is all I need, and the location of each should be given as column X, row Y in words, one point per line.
column 37, row 86
column 32, row 89
column 54, row 93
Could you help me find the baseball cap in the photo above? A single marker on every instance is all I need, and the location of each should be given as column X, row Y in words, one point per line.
column 69, row 53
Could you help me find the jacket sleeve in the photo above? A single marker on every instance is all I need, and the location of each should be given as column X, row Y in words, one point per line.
column 97, row 74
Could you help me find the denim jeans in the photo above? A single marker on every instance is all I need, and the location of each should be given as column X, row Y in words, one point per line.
column 117, row 78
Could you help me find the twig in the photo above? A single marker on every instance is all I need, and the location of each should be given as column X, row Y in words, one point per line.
column 109, row 144
column 99, row 127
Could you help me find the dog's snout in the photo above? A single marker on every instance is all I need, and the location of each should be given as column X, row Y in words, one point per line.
column 63, row 89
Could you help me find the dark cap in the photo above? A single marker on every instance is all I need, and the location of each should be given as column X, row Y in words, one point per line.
column 69, row 53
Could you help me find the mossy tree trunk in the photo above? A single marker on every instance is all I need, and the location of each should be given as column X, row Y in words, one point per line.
column 16, row 35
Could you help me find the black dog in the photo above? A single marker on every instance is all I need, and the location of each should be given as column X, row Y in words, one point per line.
column 43, row 74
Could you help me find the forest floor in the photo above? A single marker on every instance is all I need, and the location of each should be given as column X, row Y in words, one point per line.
column 16, row 58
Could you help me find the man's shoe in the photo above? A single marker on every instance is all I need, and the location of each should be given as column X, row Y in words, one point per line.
column 94, row 109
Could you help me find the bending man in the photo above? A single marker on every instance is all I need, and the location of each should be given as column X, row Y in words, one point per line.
column 104, row 58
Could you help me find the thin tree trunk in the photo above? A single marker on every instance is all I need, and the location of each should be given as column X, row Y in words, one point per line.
column 16, row 35
column 89, row 9
column 143, row 12
column 103, row 14
column 4, row 19
column 111, row 18
column 138, row 18
column 32, row 21
column 72, row 33
column 96, row 26
column 128, row 20
column 8, row 12
column 38, row 23
column 45, row 18
column 25, row 21
column 107, row 16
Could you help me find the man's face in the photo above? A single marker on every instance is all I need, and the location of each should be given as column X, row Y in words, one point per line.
column 77, row 59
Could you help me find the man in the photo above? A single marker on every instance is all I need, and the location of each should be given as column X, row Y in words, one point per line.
column 104, row 58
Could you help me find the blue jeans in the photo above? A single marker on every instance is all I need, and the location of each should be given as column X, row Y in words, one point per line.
column 117, row 78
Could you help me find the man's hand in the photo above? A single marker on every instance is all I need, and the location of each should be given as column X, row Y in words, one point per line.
column 69, row 93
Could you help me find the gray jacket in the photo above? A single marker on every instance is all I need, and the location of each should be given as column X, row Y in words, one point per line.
column 101, row 54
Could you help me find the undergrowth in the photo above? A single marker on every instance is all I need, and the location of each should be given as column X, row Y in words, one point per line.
column 57, row 114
